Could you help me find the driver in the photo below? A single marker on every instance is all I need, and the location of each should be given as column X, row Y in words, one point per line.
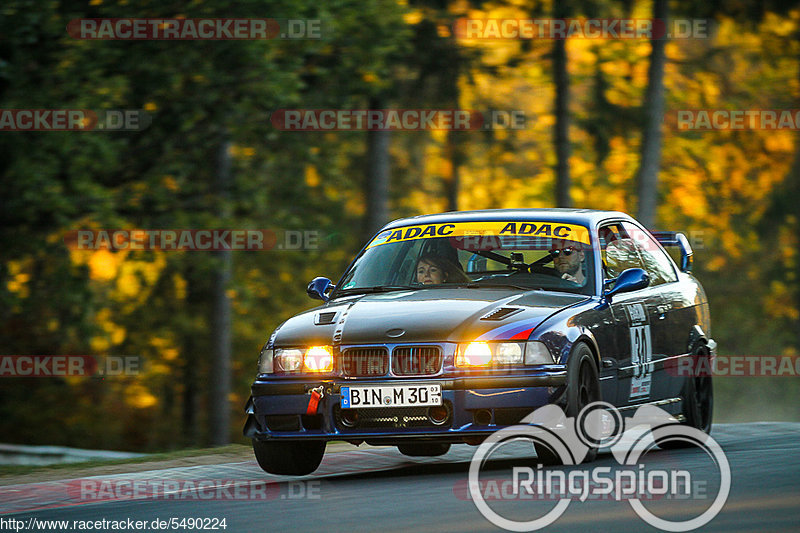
column 568, row 258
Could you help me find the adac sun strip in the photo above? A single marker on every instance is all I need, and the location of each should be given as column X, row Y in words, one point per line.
column 553, row 230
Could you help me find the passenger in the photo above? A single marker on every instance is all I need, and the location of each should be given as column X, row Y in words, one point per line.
column 434, row 269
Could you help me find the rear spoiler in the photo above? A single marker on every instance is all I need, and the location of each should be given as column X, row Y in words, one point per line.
column 675, row 239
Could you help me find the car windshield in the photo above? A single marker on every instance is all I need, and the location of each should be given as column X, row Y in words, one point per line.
column 526, row 255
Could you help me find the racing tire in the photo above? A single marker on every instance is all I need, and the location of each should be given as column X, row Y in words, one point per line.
column 697, row 405
column 583, row 388
column 426, row 449
column 289, row 458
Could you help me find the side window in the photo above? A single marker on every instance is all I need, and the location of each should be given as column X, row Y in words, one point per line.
column 656, row 262
column 619, row 252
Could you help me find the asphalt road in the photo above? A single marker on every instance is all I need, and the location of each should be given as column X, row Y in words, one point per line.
column 378, row 489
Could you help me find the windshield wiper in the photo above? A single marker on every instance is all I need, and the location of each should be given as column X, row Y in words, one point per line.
column 371, row 290
column 476, row 285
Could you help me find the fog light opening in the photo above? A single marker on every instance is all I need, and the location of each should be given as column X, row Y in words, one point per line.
column 438, row 414
column 349, row 417
column 482, row 417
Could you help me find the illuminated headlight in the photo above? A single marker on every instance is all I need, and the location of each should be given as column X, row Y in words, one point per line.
column 474, row 354
column 313, row 359
column 318, row 359
column 483, row 354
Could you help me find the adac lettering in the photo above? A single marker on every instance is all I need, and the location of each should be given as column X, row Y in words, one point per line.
column 543, row 230
column 415, row 232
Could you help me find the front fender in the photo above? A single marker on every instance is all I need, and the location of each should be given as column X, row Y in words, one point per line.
column 561, row 342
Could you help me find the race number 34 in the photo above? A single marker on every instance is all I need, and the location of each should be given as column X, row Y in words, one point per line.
column 641, row 356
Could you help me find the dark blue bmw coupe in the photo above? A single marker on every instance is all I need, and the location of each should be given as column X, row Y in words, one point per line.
column 448, row 327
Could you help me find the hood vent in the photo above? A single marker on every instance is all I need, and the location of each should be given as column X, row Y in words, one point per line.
column 323, row 319
column 501, row 313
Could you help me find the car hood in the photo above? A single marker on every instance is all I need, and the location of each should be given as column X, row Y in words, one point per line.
column 425, row 315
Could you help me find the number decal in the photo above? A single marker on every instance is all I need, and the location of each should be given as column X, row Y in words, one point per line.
column 641, row 357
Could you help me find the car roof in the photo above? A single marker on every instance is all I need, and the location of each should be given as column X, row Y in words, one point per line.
column 587, row 217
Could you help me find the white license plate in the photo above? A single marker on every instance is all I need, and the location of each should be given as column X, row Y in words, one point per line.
column 418, row 395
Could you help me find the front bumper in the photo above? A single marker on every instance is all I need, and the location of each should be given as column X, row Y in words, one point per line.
column 477, row 406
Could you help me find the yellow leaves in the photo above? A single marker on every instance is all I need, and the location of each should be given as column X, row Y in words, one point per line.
column 413, row 17
column 165, row 348
column 312, row 176
column 100, row 344
column 688, row 196
column 137, row 396
column 103, row 265
column 780, row 141
column 170, row 183
column 150, row 106
column 369, row 77
column 707, row 84
column 114, row 333
column 241, row 152
column 18, row 278
column 780, row 304
column 779, row 25
column 179, row 283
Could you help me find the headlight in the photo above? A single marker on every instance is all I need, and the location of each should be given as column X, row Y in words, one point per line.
column 318, row 359
column 482, row 354
column 474, row 354
column 509, row 353
column 314, row 359
column 288, row 359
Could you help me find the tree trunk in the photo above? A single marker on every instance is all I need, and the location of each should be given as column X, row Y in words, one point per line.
column 561, row 130
column 455, row 155
column 377, row 181
column 647, row 175
column 794, row 187
column 220, row 378
column 794, row 201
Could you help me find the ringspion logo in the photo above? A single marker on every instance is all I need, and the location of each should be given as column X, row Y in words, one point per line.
column 599, row 425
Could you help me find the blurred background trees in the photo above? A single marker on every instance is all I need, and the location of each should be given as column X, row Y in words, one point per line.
column 735, row 193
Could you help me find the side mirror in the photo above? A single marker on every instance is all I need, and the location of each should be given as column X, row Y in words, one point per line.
column 630, row 280
column 319, row 289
